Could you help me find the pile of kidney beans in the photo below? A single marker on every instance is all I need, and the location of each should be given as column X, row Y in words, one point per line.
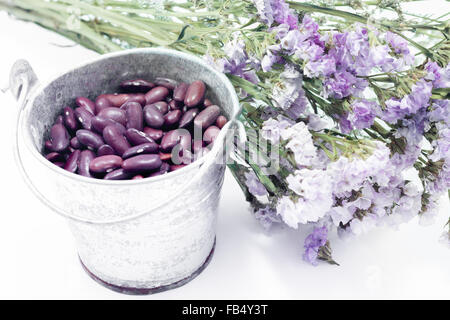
column 135, row 134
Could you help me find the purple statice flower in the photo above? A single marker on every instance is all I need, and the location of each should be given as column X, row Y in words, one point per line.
column 440, row 112
column 271, row 57
column 313, row 243
column 278, row 11
column 363, row 114
column 324, row 66
column 344, row 123
column 254, row 186
column 341, row 84
column 267, row 217
column 400, row 47
column 440, row 77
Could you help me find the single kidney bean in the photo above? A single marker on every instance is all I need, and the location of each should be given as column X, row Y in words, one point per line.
column 84, row 117
column 118, row 99
column 59, row 120
column 144, row 162
column 172, row 138
column 115, row 139
column 72, row 162
column 141, row 149
column 105, row 150
column 166, row 82
column 84, row 102
column 105, row 163
column 156, row 94
column 207, row 103
column 60, row 138
column 195, row 94
column 175, row 105
column 86, row 156
column 174, row 167
column 153, row 117
column 100, row 123
column 136, row 137
column 118, row 174
column 165, row 167
column 155, row 134
column 211, row 134
column 116, row 114
column 207, row 117
column 134, row 116
column 101, row 103
column 69, row 118
column 89, row 139
column 138, row 85
column 54, row 156
column 180, row 91
column 75, row 143
column 171, row 118
column 161, row 106
column 188, row 117
column 221, row 121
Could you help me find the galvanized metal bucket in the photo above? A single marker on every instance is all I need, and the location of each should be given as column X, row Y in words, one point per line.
column 137, row 236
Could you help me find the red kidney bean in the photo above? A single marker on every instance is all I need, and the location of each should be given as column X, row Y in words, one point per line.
column 138, row 85
column 172, row 138
column 207, row 117
column 174, row 167
column 84, row 117
column 115, row 139
column 89, row 139
column 211, row 134
column 54, row 156
column 144, row 162
column 72, row 162
column 105, row 164
column 156, row 94
column 138, row 177
column 165, row 167
column 153, row 117
column 84, row 102
column 175, row 105
column 134, row 116
column 86, row 156
column 101, row 103
column 162, row 106
column 100, row 123
column 115, row 114
column 166, row 82
column 48, row 145
column 221, row 121
column 180, row 91
column 118, row 99
column 136, row 137
column 69, row 118
column 207, row 103
column 155, row 134
column 59, row 164
column 60, row 138
column 59, row 120
column 188, row 117
column 172, row 117
column 195, row 94
column 105, row 150
column 118, row 174
column 75, row 143
column 141, row 149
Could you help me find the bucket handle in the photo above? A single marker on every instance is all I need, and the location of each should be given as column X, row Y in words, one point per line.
column 22, row 82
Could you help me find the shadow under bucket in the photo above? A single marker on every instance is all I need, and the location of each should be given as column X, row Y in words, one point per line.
column 135, row 236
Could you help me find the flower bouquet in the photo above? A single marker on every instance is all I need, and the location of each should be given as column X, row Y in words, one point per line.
column 345, row 104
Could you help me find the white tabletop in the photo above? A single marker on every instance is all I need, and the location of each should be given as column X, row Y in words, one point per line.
column 39, row 259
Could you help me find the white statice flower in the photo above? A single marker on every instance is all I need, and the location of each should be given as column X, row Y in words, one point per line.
column 317, row 123
column 341, row 214
column 272, row 128
column 358, row 226
column 287, row 209
column 301, row 144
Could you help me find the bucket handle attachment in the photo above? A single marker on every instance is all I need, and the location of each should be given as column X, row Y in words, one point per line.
column 22, row 82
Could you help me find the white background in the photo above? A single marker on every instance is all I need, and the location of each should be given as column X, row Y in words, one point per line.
column 38, row 256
